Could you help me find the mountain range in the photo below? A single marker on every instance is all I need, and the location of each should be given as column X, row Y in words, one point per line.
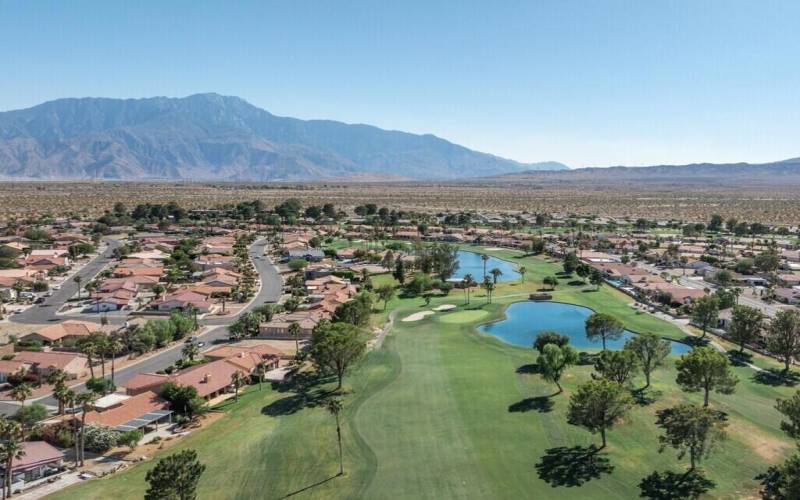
column 734, row 175
column 213, row 137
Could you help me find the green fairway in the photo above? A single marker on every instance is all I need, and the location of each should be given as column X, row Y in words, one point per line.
column 463, row 317
column 442, row 411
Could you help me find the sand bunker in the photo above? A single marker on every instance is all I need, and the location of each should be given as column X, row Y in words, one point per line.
column 445, row 307
column 417, row 316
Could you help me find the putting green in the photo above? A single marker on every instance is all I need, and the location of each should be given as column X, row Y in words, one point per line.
column 463, row 316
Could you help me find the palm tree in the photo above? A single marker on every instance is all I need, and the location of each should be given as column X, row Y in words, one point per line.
column 294, row 331
column 114, row 347
column 88, row 347
column 261, row 370
column 77, row 279
column 468, row 281
column 190, row 350
column 58, row 379
column 485, row 259
column 488, row 285
column 522, row 271
column 11, row 448
column 237, row 381
column 334, row 407
column 86, row 402
column 496, row 273
column 22, row 392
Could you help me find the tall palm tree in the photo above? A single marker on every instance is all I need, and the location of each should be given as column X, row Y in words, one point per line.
column 114, row 347
column 334, row 407
column 86, row 401
column 237, row 381
column 58, row 379
column 77, row 279
column 11, row 448
column 485, row 259
column 22, row 392
column 468, row 281
column 496, row 273
column 261, row 370
column 294, row 331
column 88, row 347
column 488, row 285
column 522, row 271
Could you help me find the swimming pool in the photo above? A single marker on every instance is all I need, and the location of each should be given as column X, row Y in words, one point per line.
column 524, row 321
column 471, row 262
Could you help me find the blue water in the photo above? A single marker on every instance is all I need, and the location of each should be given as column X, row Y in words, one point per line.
column 524, row 321
column 470, row 262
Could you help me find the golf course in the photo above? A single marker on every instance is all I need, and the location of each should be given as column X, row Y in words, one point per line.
column 442, row 410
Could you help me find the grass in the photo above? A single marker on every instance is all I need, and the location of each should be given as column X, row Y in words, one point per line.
column 442, row 411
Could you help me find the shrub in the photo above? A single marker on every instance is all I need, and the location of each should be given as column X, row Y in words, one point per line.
column 130, row 438
column 99, row 439
column 100, row 385
column 29, row 415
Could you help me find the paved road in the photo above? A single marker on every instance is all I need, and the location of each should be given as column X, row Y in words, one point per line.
column 271, row 289
column 46, row 312
column 745, row 298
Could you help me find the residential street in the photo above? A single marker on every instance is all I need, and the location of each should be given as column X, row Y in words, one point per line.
column 46, row 312
column 271, row 288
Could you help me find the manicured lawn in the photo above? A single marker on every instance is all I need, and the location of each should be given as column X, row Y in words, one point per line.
column 442, row 411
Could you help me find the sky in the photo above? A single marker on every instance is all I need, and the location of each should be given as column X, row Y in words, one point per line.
column 586, row 83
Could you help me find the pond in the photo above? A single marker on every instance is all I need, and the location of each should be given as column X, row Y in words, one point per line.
column 470, row 262
column 524, row 321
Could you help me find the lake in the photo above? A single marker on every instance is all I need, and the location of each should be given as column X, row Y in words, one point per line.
column 470, row 262
column 524, row 321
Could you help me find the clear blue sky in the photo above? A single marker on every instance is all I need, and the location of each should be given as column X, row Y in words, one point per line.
column 583, row 82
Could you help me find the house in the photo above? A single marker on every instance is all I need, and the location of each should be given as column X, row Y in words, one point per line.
column 309, row 254
column 183, row 300
column 64, row 333
column 40, row 459
column 126, row 413
column 10, row 367
column 210, row 261
column 253, row 354
column 44, row 363
column 788, row 295
column 278, row 326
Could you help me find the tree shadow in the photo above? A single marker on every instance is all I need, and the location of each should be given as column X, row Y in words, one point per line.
column 670, row 485
column 645, row 397
column 572, row 466
column 576, row 283
column 739, row 358
column 776, row 377
column 590, row 290
column 310, row 486
column 695, row 341
column 542, row 404
column 528, row 369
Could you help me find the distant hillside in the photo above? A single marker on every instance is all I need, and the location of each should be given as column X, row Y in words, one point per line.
column 214, row 137
column 782, row 173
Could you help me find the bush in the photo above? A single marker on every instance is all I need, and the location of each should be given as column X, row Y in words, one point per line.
column 40, row 286
column 99, row 439
column 130, row 438
column 29, row 415
column 100, row 385
column 297, row 264
column 60, row 434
